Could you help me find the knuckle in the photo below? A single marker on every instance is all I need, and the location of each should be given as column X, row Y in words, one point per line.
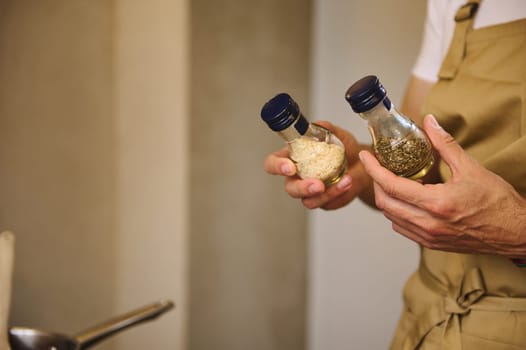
column 442, row 207
column 430, row 245
column 389, row 189
column 433, row 229
column 449, row 139
column 379, row 202
column 429, row 241
column 292, row 189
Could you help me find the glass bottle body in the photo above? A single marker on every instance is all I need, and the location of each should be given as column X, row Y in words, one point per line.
column 318, row 153
column 400, row 145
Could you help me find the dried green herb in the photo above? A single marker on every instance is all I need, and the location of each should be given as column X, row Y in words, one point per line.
column 403, row 157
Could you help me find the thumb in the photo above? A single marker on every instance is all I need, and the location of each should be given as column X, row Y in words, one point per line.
column 449, row 150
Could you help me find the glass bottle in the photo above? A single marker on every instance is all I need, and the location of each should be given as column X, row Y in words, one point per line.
column 400, row 145
column 316, row 152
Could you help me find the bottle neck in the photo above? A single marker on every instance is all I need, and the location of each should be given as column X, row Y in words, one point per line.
column 383, row 109
column 385, row 120
column 295, row 130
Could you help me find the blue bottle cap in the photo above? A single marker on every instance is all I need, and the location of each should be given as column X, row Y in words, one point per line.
column 280, row 112
column 366, row 93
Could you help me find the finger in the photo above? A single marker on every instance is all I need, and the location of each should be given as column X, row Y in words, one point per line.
column 411, row 231
column 334, row 194
column 388, row 203
column 278, row 163
column 299, row 188
column 336, row 203
column 420, row 220
column 420, row 235
column 401, row 213
column 426, row 243
column 399, row 225
column 395, row 186
column 409, row 234
column 458, row 246
column 450, row 151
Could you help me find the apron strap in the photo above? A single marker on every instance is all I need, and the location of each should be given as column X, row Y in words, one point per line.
column 464, row 23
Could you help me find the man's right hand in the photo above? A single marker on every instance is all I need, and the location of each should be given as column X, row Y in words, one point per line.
column 312, row 192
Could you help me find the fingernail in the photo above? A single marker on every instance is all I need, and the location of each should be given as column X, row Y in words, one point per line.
column 315, row 188
column 286, row 169
column 344, row 182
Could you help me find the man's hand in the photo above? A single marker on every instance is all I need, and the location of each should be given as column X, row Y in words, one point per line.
column 475, row 211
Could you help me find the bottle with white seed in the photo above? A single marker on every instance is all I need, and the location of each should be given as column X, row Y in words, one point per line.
column 315, row 150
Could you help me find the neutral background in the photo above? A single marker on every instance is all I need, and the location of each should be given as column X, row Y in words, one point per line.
column 357, row 264
column 247, row 238
column 131, row 158
column 93, row 162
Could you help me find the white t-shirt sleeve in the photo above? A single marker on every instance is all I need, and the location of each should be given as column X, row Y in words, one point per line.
column 430, row 58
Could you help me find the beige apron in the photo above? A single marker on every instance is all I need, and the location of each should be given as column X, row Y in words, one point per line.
column 462, row 301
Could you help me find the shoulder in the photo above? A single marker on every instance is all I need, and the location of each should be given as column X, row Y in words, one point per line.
column 443, row 9
column 438, row 29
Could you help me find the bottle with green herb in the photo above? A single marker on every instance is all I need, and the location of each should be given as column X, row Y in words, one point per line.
column 400, row 145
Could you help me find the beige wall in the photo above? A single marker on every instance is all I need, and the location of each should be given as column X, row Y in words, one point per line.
column 151, row 118
column 248, row 261
column 57, row 159
column 93, row 162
